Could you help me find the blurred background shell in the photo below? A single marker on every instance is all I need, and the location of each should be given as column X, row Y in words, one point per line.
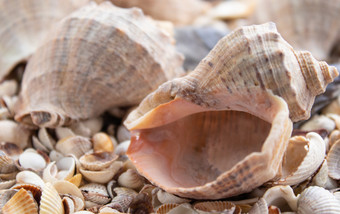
column 24, row 24
column 93, row 60
column 311, row 25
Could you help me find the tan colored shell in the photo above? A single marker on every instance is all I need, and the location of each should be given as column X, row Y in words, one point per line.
column 21, row 203
column 177, row 11
column 50, row 202
column 317, row 200
column 216, row 207
column 76, row 145
column 303, row 157
column 165, row 208
column 333, row 161
column 123, row 49
column 65, row 187
column 306, row 24
column 7, row 165
column 231, row 89
column 97, row 160
column 24, row 24
column 35, row 190
column 96, row 193
column 131, row 179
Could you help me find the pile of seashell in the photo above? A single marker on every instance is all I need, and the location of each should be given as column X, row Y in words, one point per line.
column 195, row 107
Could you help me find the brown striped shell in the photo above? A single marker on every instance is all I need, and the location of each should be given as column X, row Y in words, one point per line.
column 201, row 119
column 94, row 60
column 24, row 24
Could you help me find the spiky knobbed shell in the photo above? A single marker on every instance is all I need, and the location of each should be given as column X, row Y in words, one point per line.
column 24, row 24
column 222, row 122
column 98, row 57
column 306, row 24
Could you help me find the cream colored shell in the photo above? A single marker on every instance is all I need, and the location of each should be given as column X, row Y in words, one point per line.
column 77, row 75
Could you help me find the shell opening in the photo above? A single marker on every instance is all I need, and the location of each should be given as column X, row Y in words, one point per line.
column 196, row 149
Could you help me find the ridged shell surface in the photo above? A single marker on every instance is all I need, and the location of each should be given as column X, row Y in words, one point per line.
column 310, row 25
column 50, row 201
column 229, row 93
column 94, row 60
column 21, row 203
column 24, row 24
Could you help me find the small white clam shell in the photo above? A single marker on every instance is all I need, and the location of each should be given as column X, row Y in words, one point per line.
column 32, row 160
column 50, row 172
column 55, row 156
column 64, row 132
column 21, row 202
column 259, row 207
column 76, row 145
column 322, row 179
column 122, row 147
column 333, row 160
column 14, row 133
column 65, row 187
column 46, row 139
column 96, row 193
column 302, row 158
column 7, row 184
column 317, row 200
column 66, row 168
column 29, row 177
column 102, row 176
column 123, row 134
column 131, row 179
column 167, row 198
column 8, row 87
column 281, row 196
column 87, row 128
column 319, row 122
column 50, row 202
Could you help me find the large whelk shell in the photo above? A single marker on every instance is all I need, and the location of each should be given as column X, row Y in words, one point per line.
column 317, row 200
column 21, row 203
column 128, row 50
column 23, row 26
column 187, row 117
column 306, row 24
column 302, row 158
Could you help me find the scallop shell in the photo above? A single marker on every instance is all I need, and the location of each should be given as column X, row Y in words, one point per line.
column 7, row 165
column 20, row 203
column 303, row 157
column 333, row 161
column 96, row 193
column 50, row 202
column 177, row 11
column 6, row 184
column 5, row 196
column 76, row 145
column 306, row 24
column 317, row 200
column 131, row 179
column 25, row 24
column 231, row 89
column 123, row 52
column 97, row 160
column 14, row 133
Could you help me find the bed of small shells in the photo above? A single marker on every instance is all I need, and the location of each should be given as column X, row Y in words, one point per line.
column 83, row 168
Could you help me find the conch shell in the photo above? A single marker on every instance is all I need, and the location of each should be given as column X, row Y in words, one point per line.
column 93, row 60
column 24, row 24
column 220, row 130
column 306, row 24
